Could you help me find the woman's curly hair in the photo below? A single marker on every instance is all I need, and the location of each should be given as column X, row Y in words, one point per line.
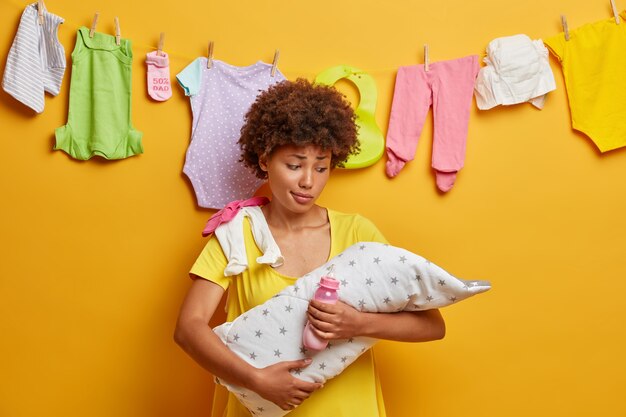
column 298, row 113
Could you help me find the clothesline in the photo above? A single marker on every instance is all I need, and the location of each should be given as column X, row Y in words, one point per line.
column 517, row 70
column 173, row 54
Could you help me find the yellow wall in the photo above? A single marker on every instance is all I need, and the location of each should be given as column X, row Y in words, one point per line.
column 95, row 254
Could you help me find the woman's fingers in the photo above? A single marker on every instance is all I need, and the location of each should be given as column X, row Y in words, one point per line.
column 297, row 398
column 320, row 324
column 334, row 321
column 321, row 316
column 297, row 364
column 324, row 307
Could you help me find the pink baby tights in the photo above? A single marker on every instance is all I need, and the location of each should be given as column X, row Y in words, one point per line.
column 448, row 86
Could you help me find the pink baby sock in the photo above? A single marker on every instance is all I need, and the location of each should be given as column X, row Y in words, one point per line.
column 394, row 164
column 445, row 180
column 159, row 87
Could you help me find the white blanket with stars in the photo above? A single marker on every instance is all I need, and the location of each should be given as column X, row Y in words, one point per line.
column 374, row 277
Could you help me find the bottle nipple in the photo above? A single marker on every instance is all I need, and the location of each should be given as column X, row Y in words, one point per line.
column 328, row 280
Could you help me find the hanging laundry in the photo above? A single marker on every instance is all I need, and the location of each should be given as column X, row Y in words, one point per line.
column 220, row 97
column 99, row 117
column 594, row 69
column 371, row 139
column 517, row 71
column 448, row 86
column 158, row 69
column 36, row 60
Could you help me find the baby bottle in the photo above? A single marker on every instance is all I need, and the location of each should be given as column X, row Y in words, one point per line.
column 326, row 293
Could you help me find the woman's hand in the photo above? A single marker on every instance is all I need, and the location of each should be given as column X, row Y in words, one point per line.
column 341, row 321
column 335, row 321
column 276, row 384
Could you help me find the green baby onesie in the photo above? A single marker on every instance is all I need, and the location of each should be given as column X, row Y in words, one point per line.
column 99, row 117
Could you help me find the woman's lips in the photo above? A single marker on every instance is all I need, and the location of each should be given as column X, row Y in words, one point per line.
column 302, row 198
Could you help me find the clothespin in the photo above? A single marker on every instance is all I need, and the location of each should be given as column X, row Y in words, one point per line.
column 93, row 24
column 161, row 42
column 426, row 58
column 565, row 29
column 118, row 36
column 40, row 8
column 275, row 63
column 615, row 14
column 209, row 62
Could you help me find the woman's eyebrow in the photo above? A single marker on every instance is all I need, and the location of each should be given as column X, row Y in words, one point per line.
column 304, row 156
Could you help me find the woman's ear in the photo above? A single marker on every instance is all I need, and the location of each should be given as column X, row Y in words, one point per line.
column 263, row 163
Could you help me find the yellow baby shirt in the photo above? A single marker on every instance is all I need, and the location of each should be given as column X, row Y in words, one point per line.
column 594, row 69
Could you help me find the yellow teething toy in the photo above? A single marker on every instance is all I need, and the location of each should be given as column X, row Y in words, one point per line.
column 371, row 139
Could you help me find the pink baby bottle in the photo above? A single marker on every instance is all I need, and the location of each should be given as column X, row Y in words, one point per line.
column 326, row 293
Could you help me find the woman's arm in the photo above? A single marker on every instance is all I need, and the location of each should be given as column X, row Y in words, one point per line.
column 341, row 321
column 193, row 334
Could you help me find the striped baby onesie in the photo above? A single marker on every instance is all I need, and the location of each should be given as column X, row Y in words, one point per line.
column 36, row 60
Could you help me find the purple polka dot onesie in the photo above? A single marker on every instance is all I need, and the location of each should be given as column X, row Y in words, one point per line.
column 220, row 97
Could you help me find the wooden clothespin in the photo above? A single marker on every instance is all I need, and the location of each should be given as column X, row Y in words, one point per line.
column 275, row 62
column 565, row 29
column 615, row 14
column 426, row 58
column 40, row 9
column 161, row 42
column 209, row 62
column 118, row 35
column 93, row 24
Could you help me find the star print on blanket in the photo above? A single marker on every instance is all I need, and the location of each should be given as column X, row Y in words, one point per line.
column 374, row 277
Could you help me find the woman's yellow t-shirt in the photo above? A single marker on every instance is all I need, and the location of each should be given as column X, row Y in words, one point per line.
column 356, row 391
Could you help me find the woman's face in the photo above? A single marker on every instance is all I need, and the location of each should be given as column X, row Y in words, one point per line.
column 297, row 175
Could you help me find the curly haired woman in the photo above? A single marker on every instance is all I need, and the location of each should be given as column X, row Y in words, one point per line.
column 294, row 135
